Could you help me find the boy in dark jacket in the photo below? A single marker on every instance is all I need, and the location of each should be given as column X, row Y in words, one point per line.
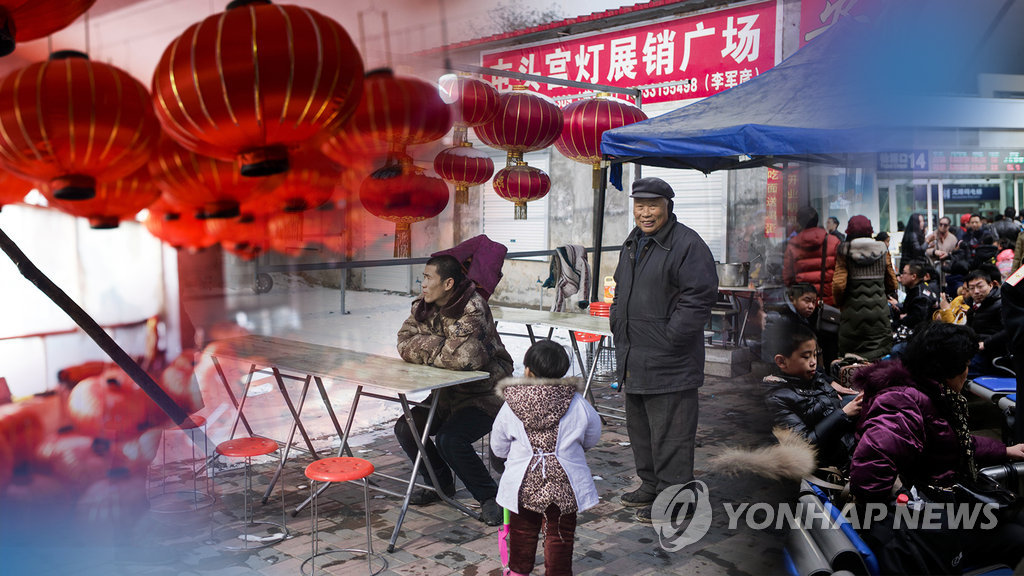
column 802, row 398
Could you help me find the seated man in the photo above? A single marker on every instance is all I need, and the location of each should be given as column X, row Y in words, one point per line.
column 985, row 318
column 917, row 306
column 451, row 327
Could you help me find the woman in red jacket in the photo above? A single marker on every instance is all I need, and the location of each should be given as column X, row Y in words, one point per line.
column 802, row 259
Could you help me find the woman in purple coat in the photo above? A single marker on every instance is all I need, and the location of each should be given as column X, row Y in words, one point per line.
column 913, row 427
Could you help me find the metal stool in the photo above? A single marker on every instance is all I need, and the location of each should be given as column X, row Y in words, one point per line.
column 248, row 448
column 341, row 469
column 184, row 500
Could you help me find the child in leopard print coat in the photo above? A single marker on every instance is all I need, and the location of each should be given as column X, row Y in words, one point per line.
column 543, row 429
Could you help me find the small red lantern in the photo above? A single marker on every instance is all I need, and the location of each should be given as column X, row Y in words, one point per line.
column 69, row 122
column 180, row 229
column 245, row 236
column 463, row 166
column 21, row 21
column 521, row 184
column 12, row 188
column 290, row 234
column 213, row 187
column 309, row 182
column 109, row 406
column 255, row 80
column 114, row 201
column 403, row 194
column 475, row 102
column 395, row 112
column 526, row 121
column 584, row 123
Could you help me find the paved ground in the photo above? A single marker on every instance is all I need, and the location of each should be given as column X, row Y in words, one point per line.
column 48, row 536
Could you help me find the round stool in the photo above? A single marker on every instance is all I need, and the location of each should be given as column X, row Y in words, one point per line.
column 341, row 469
column 249, row 448
column 193, row 500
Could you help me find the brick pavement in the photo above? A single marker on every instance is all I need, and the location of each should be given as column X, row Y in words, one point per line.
column 435, row 540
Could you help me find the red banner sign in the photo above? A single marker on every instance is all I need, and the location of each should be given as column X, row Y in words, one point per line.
column 773, row 204
column 817, row 16
column 684, row 58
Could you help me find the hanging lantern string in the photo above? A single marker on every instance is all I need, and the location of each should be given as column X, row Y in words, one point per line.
column 87, row 45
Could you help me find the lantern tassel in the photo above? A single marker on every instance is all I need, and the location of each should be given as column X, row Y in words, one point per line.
column 403, row 240
column 520, row 211
column 462, row 195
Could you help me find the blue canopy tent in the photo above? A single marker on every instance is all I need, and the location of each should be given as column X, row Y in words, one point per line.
column 814, row 106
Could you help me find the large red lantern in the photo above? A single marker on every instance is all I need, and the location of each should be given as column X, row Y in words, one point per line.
column 214, row 188
column 584, row 123
column 114, row 201
column 521, row 184
column 463, row 166
column 24, row 20
column 256, row 80
column 474, row 101
column 403, row 194
column 395, row 112
column 69, row 122
column 525, row 121
column 12, row 188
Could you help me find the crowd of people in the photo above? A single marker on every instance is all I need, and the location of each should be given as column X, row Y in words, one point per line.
column 881, row 395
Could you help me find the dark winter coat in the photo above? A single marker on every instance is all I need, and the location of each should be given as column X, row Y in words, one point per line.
column 912, row 247
column 864, row 276
column 1007, row 228
column 814, row 410
column 458, row 336
column 918, row 306
column 987, row 323
column 663, row 299
column 904, row 430
column 802, row 260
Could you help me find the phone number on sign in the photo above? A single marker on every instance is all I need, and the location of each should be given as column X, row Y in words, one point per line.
column 688, row 86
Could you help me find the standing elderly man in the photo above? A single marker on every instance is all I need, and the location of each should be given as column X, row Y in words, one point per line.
column 665, row 285
column 451, row 327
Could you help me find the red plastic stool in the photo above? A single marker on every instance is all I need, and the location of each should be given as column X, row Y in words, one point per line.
column 249, row 448
column 341, row 469
column 184, row 500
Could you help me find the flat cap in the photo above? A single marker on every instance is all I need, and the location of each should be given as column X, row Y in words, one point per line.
column 652, row 188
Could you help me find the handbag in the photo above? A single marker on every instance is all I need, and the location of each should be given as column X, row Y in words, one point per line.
column 828, row 315
column 984, row 491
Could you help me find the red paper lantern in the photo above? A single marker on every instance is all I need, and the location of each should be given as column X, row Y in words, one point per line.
column 255, row 80
column 110, row 406
column 69, row 122
column 586, row 120
column 21, row 20
column 12, row 188
column 180, row 229
column 463, row 166
column 403, row 194
column 308, row 184
column 114, row 201
column 521, row 184
column 290, row 234
column 525, row 121
column 395, row 112
column 214, row 188
column 474, row 101
column 245, row 236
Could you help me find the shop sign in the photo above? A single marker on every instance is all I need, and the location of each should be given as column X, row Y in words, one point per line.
column 959, row 192
column 682, row 58
column 903, row 161
column 977, row 161
column 773, row 204
column 817, row 16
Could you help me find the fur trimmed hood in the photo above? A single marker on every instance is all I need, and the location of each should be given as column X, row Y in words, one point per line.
column 877, row 377
column 578, row 383
column 865, row 250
